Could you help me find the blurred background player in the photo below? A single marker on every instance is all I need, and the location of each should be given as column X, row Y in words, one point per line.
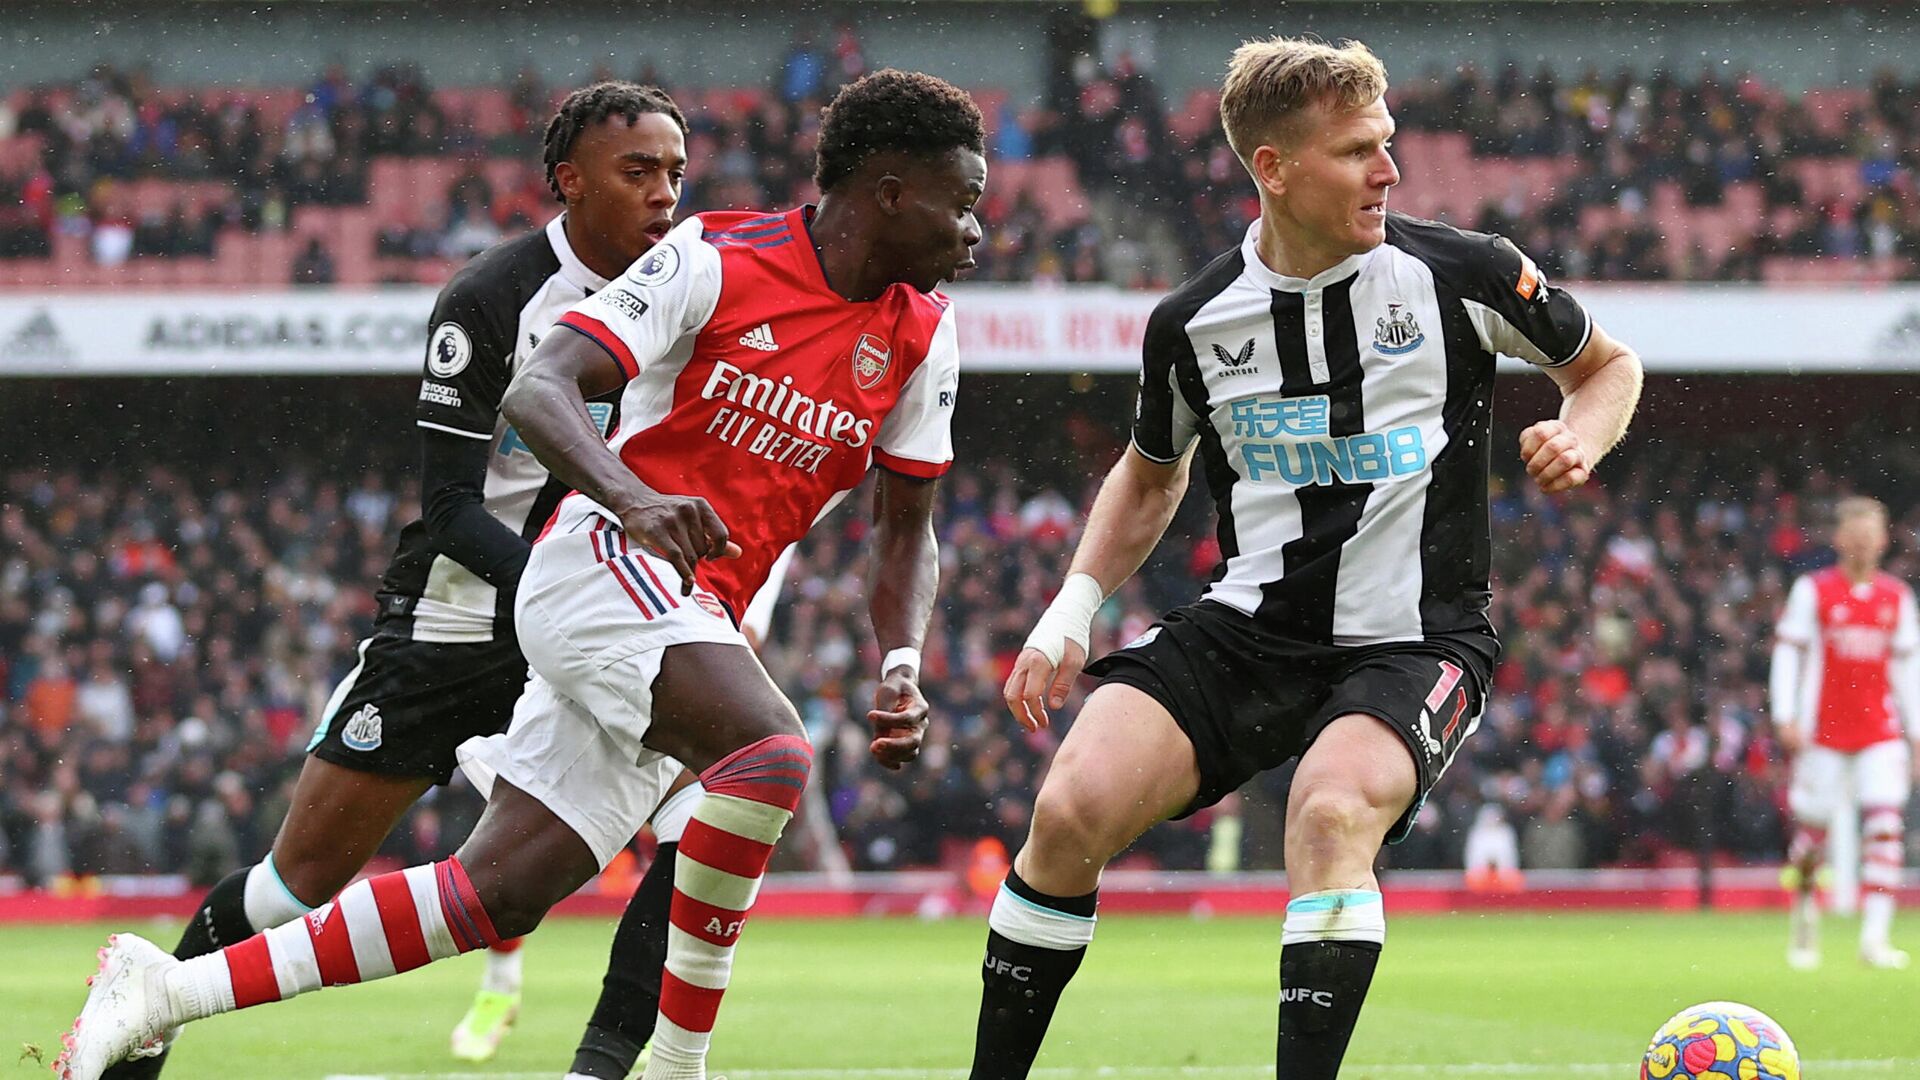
column 1845, row 683
column 827, row 353
column 443, row 664
column 1334, row 371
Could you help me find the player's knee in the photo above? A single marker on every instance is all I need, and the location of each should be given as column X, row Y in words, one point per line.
column 1330, row 818
column 515, row 911
column 1069, row 823
column 777, row 717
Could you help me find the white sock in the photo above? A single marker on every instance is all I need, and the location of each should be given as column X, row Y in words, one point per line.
column 1804, row 923
column 670, row 818
column 503, row 971
column 1876, row 920
column 1335, row 915
column 269, row 903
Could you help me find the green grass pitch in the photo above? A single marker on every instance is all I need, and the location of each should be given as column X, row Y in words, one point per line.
column 1519, row 997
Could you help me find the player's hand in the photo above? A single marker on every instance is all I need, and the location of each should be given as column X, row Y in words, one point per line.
column 1792, row 741
column 1035, row 684
column 1555, row 457
column 899, row 720
column 681, row 529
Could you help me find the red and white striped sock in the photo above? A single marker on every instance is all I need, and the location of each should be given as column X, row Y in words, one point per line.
column 1806, row 852
column 1882, row 853
column 376, row 927
column 751, row 795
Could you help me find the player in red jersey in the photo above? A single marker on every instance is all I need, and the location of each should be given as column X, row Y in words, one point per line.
column 1846, row 675
column 441, row 664
column 768, row 362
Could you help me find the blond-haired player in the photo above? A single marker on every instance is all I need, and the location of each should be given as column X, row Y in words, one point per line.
column 1332, row 374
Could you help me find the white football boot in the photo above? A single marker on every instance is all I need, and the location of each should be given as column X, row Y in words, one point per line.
column 127, row 1014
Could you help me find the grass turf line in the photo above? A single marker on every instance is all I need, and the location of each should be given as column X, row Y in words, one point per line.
column 1519, row 997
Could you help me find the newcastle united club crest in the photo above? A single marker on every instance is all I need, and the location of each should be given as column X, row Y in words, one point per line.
column 1395, row 333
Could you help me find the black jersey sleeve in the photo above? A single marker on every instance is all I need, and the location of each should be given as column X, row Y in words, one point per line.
column 469, row 360
column 453, row 476
column 1163, row 425
column 1513, row 308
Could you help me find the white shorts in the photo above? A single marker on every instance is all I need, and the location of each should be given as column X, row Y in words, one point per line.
column 594, row 616
column 1826, row 781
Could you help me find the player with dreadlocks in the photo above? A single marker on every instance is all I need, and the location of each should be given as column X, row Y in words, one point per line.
column 767, row 363
column 443, row 664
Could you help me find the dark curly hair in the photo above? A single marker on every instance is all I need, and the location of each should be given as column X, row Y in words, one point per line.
column 899, row 111
column 590, row 105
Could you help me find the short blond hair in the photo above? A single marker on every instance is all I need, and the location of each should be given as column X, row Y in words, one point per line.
column 1858, row 506
column 1271, row 82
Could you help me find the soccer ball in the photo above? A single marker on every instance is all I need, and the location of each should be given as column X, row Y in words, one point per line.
column 1721, row 1039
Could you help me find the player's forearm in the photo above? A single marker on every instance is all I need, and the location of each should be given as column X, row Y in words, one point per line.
column 1600, row 408
column 547, row 405
column 1904, row 670
column 1135, row 505
column 453, row 471
column 904, row 573
column 475, row 539
column 1783, row 684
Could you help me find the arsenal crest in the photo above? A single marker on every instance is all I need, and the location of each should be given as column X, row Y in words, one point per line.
column 870, row 359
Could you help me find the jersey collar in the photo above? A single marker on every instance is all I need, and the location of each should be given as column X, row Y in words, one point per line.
column 571, row 268
column 1265, row 275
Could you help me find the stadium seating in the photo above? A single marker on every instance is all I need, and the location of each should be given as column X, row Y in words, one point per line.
column 1701, row 227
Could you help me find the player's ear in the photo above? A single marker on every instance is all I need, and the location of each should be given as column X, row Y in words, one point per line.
column 889, row 191
column 567, row 176
column 1269, row 170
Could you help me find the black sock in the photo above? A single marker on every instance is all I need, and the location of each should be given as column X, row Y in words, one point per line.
column 1023, row 979
column 629, row 1002
column 221, row 920
column 1322, row 986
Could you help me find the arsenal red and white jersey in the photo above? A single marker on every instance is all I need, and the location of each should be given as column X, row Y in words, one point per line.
column 1851, row 634
column 753, row 385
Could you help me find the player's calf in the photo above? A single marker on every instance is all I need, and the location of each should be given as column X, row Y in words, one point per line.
column 1882, row 854
column 1806, row 852
column 750, row 796
column 1035, row 943
column 377, row 927
column 1355, row 781
column 629, row 1004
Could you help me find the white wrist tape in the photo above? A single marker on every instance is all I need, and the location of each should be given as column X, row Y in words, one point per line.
column 908, row 658
column 1068, row 618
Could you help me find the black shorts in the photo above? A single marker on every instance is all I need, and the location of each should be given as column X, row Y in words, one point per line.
column 405, row 707
column 1249, row 701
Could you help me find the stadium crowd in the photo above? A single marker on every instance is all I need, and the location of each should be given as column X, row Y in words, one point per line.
column 166, row 643
column 1637, row 154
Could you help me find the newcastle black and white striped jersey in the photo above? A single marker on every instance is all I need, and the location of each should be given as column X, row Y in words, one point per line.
column 487, row 319
column 1344, row 424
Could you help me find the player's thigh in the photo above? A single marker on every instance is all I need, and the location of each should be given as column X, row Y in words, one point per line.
column 523, row 858
column 602, row 622
column 712, row 698
column 1390, row 725
column 336, row 821
column 1124, row 766
column 1882, row 775
column 1358, row 776
column 558, row 754
column 1821, row 786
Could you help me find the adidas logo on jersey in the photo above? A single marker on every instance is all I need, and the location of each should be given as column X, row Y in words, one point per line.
column 760, row 337
column 363, row 730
